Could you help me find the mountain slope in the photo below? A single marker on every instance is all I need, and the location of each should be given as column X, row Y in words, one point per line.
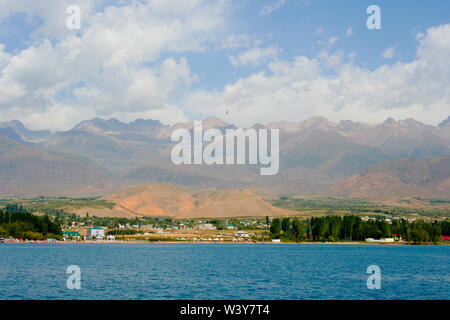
column 167, row 200
column 26, row 134
column 409, row 177
column 11, row 134
column 27, row 171
column 113, row 153
column 330, row 153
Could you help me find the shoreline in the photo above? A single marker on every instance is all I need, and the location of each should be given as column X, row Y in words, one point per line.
column 233, row 243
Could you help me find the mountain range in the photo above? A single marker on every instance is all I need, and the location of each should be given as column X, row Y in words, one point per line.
column 317, row 156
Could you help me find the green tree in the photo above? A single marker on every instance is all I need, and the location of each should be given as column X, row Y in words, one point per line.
column 3, row 232
column 275, row 227
column 286, row 225
column 298, row 230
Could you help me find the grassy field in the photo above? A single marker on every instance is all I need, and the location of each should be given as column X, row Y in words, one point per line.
column 44, row 205
column 303, row 207
column 311, row 207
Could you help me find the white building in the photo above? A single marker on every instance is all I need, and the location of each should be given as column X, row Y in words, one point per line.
column 242, row 234
column 206, row 226
column 96, row 232
column 380, row 240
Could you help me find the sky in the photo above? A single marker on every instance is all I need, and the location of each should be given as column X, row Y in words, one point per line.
column 244, row 61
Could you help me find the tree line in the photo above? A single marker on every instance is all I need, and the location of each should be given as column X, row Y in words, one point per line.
column 353, row 228
column 17, row 222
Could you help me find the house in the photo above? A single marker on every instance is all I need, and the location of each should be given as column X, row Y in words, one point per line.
column 383, row 240
column 71, row 235
column 207, row 226
column 230, row 227
column 110, row 238
column 276, row 240
column 96, row 232
column 398, row 237
column 242, row 234
column 445, row 238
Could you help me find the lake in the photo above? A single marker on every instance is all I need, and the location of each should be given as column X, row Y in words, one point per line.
column 223, row 271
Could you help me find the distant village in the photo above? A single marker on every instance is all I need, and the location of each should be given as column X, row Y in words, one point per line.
column 61, row 226
column 219, row 231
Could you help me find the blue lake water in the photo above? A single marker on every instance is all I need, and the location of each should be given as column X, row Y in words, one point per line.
column 221, row 271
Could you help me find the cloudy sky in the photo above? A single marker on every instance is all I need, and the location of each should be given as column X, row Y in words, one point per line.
column 262, row 60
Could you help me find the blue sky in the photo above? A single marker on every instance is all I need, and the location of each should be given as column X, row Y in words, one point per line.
column 298, row 26
column 263, row 60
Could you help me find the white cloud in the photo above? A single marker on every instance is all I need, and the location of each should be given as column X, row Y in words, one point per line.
column 389, row 52
column 53, row 14
column 255, row 56
column 119, row 62
column 268, row 9
column 319, row 31
column 331, row 85
column 331, row 41
column 349, row 32
column 235, row 41
column 167, row 115
column 127, row 61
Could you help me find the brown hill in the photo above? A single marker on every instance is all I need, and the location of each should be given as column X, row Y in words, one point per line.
column 409, row 177
column 154, row 200
column 166, row 200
